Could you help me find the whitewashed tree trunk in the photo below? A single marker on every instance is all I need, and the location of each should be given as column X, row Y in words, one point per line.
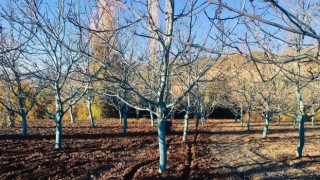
column 89, row 107
column 266, row 124
column 186, row 117
column 71, row 115
column 313, row 117
column 151, row 115
column 278, row 119
column 10, row 119
column 294, row 122
column 137, row 114
column 241, row 116
column 120, row 115
column 186, row 126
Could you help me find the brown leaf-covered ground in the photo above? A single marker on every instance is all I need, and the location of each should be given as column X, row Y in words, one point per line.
column 222, row 149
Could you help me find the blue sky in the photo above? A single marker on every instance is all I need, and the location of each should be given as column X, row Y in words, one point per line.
column 202, row 25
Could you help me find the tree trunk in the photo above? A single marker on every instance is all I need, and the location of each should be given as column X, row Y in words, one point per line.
column 248, row 121
column 186, row 126
column 125, row 119
column 120, row 115
column 266, row 124
column 89, row 106
column 71, row 114
column 312, row 118
column 137, row 114
column 11, row 119
column 301, row 136
column 24, row 124
column 278, row 119
column 151, row 115
column 162, row 143
column 198, row 116
column 294, row 123
column 235, row 118
column 58, row 121
column 241, row 117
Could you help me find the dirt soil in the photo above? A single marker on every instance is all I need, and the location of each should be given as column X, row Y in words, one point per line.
column 221, row 149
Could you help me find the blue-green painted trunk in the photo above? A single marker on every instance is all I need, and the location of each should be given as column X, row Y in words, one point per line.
column 24, row 125
column 125, row 119
column 198, row 116
column 162, row 144
column 301, row 135
column 58, row 143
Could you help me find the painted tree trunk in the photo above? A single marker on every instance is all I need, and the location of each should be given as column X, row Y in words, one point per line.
column 248, row 121
column 11, row 119
column 120, row 115
column 125, row 119
column 294, row 123
column 241, row 117
column 312, row 118
column 198, row 116
column 151, row 115
column 137, row 114
column 71, row 115
column 186, row 126
column 266, row 124
column 301, row 136
column 202, row 121
column 201, row 114
column 278, row 119
column 24, row 124
column 58, row 144
column 89, row 106
column 235, row 118
column 162, row 143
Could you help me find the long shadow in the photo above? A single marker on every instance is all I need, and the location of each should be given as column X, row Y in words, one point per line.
column 267, row 167
column 242, row 132
column 77, row 136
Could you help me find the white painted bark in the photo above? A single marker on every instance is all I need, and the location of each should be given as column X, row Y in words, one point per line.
column 89, row 107
column 266, row 124
column 10, row 119
column 151, row 115
column 71, row 115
